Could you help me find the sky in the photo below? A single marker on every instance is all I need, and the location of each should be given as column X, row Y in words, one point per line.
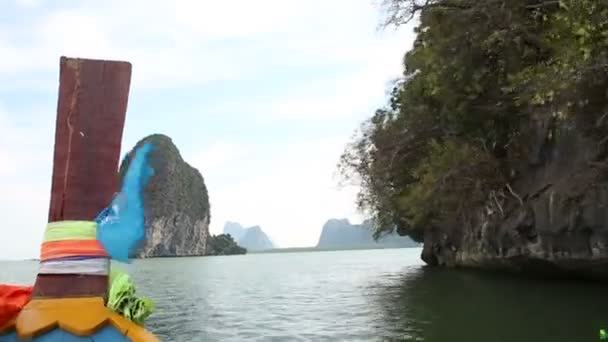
column 260, row 96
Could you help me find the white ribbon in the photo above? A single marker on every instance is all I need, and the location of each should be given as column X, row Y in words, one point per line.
column 93, row 266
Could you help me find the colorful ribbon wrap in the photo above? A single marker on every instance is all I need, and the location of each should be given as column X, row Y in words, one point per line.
column 86, row 247
column 71, row 247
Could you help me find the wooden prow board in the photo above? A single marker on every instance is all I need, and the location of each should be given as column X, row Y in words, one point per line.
column 91, row 110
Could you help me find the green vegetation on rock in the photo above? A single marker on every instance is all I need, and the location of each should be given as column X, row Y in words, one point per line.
column 223, row 244
column 483, row 84
column 184, row 181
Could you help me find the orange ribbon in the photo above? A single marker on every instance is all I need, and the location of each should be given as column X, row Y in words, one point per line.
column 71, row 248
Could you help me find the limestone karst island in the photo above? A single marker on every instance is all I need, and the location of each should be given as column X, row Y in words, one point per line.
column 345, row 170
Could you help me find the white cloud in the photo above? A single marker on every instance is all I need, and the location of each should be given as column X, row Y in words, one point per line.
column 194, row 42
column 217, row 156
column 289, row 190
column 72, row 31
column 355, row 94
column 284, row 186
column 28, row 3
column 229, row 19
column 25, row 174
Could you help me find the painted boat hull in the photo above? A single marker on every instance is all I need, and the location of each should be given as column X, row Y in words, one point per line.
column 72, row 320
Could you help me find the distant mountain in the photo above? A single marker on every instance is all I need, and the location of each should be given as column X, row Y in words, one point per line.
column 342, row 234
column 234, row 229
column 253, row 238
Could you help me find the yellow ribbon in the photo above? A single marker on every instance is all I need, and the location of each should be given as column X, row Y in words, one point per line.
column 70, row 230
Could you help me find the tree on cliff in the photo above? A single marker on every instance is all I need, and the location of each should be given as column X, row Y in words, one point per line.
column 480, row 75
column 223, row 244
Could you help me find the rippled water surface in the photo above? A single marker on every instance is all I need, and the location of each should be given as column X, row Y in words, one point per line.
column 375, row 295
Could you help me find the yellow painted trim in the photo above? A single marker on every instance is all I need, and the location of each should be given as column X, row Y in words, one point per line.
column 79, row 316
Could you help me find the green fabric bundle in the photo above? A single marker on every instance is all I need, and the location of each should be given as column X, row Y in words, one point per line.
column 123, row 300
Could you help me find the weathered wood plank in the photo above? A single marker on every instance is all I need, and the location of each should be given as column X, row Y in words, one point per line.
column 91, row 110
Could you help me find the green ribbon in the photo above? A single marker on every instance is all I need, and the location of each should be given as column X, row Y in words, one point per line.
column 70, row 230
column 123, row 300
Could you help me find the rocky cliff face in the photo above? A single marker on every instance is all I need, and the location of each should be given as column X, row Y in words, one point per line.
column 176, row 204
column 553, row 219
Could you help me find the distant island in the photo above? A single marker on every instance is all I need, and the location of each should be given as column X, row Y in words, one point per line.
column 176, row 203
column 341, row 234
column 252, row 238
column 223, row 244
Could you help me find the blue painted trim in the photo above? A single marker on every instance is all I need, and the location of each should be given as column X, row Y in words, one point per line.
column 10, row 337
column 105, row 334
